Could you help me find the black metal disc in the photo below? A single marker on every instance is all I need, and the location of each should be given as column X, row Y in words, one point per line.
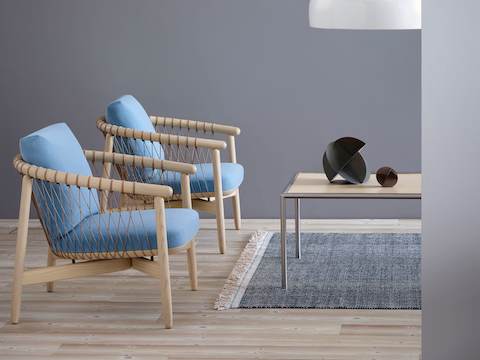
column 342, row 157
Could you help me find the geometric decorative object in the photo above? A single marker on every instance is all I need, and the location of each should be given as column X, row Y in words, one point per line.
column 342, row 158
column 386, row 176
column 366, row 14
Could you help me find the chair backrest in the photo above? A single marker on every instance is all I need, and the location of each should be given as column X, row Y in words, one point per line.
column 127, row 112
column 60, row 207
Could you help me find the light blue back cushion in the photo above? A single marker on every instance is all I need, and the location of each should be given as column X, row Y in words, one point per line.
column 61, row 207
column 127, row 112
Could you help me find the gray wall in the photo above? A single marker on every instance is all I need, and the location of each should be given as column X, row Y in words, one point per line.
column 253, row 63
column 451, row 132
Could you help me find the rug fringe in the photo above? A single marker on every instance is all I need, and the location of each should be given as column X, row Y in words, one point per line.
column 234, row 281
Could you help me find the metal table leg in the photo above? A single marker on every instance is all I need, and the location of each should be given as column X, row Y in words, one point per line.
column 297, row 228
column 283, row 241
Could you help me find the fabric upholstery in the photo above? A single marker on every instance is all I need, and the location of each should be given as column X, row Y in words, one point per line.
column 56, row 147
column 127, row 112
column 203, row 179
column 129, row 231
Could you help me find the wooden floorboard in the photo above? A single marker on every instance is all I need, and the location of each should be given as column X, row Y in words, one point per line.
column 117, row 316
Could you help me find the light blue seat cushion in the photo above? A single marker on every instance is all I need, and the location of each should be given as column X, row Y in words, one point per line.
column 56, row 147
column 127, row 112
column 203, row 180
column 129, row 231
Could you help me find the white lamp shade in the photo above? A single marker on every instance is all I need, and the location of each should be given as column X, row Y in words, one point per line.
column 366, row 14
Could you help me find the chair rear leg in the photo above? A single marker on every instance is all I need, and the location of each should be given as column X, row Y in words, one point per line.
column 22, row 234
column 237, row 216
column 192, row 265
column 51, row 261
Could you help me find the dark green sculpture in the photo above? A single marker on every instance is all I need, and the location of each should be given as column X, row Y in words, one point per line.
column 342, row 158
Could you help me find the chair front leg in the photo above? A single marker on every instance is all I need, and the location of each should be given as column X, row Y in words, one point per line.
column 22, row 235
column 217, row 177
column 236, row 198
column 191, row 252
column 163, row 263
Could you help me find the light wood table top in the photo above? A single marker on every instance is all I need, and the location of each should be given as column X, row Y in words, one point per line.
column 316, row 185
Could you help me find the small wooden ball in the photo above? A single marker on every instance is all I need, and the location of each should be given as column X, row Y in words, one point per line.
column 386, row 176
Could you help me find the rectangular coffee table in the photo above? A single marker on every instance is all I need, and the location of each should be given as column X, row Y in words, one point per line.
column 316, row 186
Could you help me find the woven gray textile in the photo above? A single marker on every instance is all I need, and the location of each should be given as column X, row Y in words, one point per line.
column 340, row 271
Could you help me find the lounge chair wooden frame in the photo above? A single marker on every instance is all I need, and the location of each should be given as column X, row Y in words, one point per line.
column 104, row 263
column 209, row 202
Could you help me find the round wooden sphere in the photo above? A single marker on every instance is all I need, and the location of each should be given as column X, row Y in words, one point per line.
column 386, row 176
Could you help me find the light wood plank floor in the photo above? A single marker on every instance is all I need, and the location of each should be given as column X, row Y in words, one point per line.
column 117, row 316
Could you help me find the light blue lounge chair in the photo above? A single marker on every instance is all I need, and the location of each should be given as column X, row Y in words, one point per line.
column 129, row 130
column 84, row 220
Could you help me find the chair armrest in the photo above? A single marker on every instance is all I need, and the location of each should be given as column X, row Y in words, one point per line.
column 139, row 161
column 99, row 183
column 195, row 125
column 169, row 139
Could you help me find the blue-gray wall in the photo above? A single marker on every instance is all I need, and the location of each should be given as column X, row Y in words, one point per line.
column 253, row 63
column 450, row 206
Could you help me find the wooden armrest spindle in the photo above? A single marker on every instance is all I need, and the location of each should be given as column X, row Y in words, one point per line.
column 99, row 183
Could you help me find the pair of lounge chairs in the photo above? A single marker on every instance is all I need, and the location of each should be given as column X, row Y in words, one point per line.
column 111, row 210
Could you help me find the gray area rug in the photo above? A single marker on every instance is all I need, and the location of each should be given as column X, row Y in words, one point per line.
column 336, row 271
